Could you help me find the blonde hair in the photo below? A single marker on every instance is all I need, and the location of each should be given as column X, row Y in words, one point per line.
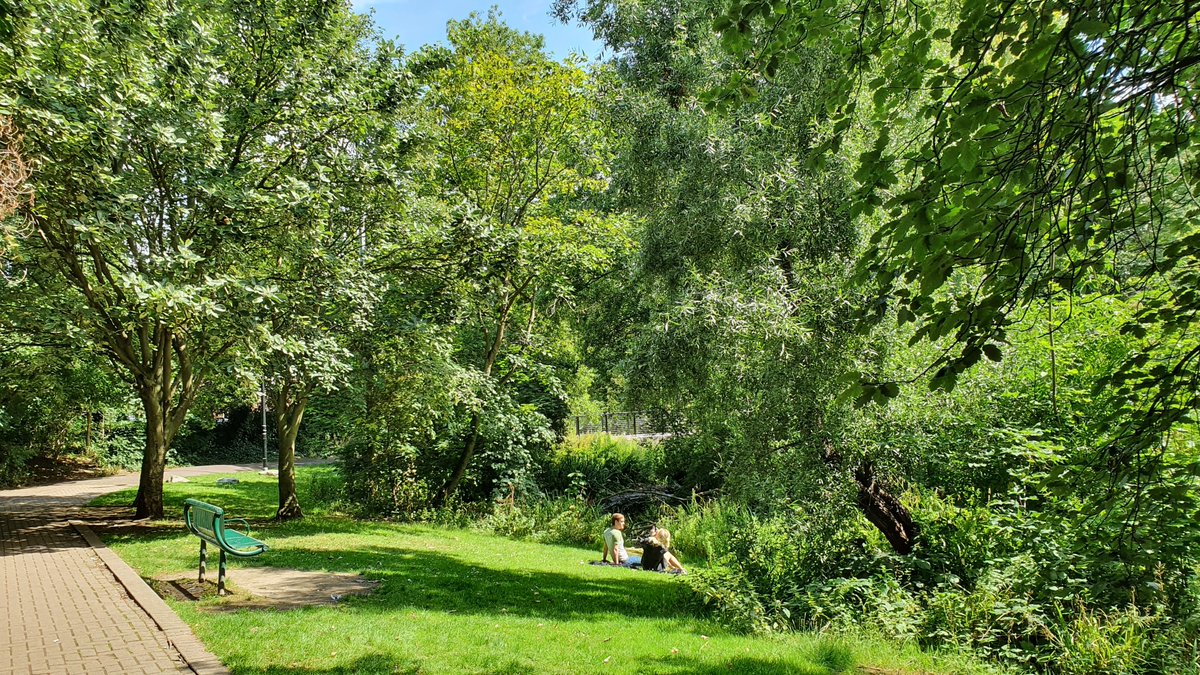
column 663, row 536
column 617, row 517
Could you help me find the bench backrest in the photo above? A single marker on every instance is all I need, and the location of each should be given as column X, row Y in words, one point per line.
column 208, row 522
column 204, row 520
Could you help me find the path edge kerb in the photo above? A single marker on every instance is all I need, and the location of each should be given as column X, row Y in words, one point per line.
column 178, row 633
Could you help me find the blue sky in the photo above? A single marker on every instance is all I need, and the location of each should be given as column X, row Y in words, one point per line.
column 418, row 22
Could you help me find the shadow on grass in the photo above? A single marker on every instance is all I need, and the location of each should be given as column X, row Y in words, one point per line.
column 412, row 578
column 436, row 582
column 251, row 498
column 371, row 665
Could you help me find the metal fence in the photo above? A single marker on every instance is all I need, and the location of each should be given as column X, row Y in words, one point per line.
column 632, row 423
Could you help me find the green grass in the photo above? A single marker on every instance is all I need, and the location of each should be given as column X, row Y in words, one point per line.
column 462, row 601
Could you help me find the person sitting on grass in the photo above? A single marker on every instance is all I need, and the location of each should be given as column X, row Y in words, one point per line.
column 656, row 554
column 614, row 544
column 673, row 564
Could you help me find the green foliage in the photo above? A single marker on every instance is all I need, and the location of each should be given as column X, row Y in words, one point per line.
column 53, row 403
column 439, row 265
column 177, row 144
column 514, row 155
column 513, row 442
column 566, row 521
column 407, row 417
column 1048, row 153
column 597, row 466
column 728, row 595
column 235, row 439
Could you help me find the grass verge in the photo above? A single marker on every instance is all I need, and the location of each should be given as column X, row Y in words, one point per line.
column 463, row 601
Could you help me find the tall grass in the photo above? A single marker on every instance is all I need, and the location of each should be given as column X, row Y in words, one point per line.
column 593, row 466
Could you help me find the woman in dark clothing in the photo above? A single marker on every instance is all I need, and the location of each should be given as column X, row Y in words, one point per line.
column 656, row 553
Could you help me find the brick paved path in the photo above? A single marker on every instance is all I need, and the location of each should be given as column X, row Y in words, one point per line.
column 64, row 610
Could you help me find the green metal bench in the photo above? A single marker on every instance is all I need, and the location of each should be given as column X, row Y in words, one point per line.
column 209, row 523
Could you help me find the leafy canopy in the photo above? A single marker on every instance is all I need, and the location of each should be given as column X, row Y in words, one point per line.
column 1050, row 152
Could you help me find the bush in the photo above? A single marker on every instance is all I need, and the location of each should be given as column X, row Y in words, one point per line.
column 704, row 530
column 727, row 593
column 382, row 479
column 564, row 521
column 691, row 463
column 599, row 465
column 235, row 438
column 122, row 445
column 513, row 440
column 323, row 486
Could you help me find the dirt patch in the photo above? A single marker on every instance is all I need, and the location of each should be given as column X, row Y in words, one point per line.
column 184, row 590
column 266, row 588
column 64, row 467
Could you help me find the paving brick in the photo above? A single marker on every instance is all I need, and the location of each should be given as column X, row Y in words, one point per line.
column 66, row 607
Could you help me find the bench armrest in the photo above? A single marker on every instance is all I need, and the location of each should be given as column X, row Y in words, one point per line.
column 239, row 520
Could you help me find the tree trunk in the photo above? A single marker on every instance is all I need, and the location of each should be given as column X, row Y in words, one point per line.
column 879, row 506
column 464, row 461
column 149, row 500
column 468, row 452
column 287, row 423
column 167, row 389
column 884, row 511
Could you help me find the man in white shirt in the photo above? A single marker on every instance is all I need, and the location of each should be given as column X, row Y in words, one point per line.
column 614, row 543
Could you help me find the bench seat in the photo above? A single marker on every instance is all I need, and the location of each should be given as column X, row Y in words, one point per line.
column 244, row 544
column 208, row 522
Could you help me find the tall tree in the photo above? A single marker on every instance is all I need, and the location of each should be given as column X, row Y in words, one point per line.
column 517, row 149
column 745, row 255
column 1053, row 154
column 327, row 298
column 164, row 138
column 339, row 223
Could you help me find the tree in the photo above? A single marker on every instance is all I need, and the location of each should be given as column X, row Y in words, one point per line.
column 517, row 150
column 745, row 254
column 1052, row 155
column 328, row 238
column 328, row 297
column 164, row 140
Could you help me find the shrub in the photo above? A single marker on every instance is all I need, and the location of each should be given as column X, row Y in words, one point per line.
column 599, row 465
column 565, row 521
column 122, row 445
column 703, row 529
column 322, row 487
column 382, row 478
column 726, row 592
column 513, row 440
column 233, row 439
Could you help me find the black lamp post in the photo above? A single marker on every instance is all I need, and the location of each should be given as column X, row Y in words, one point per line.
column 262, row 394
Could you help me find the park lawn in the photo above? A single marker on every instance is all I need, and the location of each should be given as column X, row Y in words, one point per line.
column 462, row 601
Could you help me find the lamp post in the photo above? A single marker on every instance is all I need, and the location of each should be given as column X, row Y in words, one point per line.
column 262, row 397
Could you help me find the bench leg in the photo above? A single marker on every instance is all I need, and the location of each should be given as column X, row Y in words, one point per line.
column 221, row 575
column 203, row 558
